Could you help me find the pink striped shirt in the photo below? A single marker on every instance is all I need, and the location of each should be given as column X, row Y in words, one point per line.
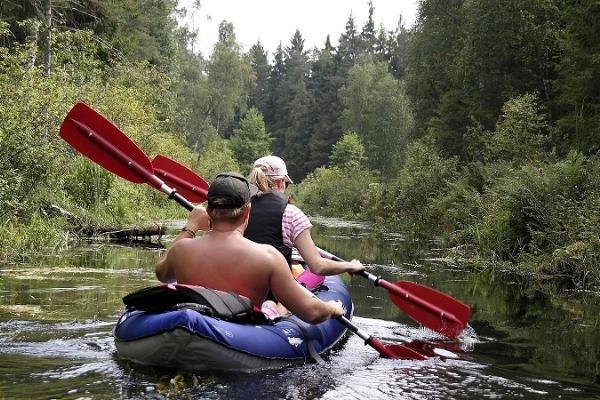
column 293, row 223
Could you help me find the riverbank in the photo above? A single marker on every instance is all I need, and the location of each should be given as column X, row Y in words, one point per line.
column 539, row 219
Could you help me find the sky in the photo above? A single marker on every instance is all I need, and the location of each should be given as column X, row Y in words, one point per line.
column 275, row 21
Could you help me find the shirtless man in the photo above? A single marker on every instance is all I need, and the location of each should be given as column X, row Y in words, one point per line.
column 224, row 260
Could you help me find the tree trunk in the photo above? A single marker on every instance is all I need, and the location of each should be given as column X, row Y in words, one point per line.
column 48, row 37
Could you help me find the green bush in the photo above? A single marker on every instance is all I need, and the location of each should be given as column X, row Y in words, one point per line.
column 411, row 199
column 24, row 241
column 336, row 191
column 538, row 209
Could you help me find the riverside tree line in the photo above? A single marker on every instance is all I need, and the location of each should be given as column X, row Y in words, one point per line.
column 480, row 124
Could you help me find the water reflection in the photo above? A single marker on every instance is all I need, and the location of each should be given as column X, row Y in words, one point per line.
column 56, row 342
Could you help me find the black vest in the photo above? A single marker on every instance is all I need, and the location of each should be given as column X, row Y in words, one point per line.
column 264, row 224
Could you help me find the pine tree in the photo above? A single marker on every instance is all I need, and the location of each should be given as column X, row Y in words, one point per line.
column 276, row 117
column 368, row 35
column 262, row 70
column 348, row 48
column 325, row 125
column 298, row 103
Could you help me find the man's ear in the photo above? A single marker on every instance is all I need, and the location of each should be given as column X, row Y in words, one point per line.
column 247, row 211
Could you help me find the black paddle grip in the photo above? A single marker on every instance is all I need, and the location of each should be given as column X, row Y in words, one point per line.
column 181, row 200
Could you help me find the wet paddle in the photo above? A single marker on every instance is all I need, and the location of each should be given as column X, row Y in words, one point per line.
column 102, row 142
column 434, row 309
column 397, row 351
column 436, row 348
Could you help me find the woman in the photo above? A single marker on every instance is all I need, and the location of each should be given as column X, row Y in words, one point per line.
column 276, row 222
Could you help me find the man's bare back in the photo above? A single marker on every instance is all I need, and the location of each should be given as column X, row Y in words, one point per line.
column 223, row 259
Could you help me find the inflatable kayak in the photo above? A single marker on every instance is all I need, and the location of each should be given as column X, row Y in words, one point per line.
column 188, row 339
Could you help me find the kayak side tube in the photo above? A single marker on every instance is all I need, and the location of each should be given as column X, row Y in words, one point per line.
column 186, row 339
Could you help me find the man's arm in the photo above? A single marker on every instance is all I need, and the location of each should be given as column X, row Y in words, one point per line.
column 295, row 297
column 165, row 267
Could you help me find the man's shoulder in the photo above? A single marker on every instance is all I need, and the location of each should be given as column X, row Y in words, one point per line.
column 266, row 252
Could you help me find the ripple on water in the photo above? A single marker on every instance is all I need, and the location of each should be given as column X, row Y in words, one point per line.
column 339, row 223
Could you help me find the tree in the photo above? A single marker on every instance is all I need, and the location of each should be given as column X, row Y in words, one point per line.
column 433, row 48
column 521, row 132
column 510, row 48
column 276, row 112
column 296, row 102
column 367, row 35
column 398, row 49
column 578, row 85
column 250, row 140
column 325, row 127
column 230, row 79
column 262, row 70
column 348, row 152
column 377, row 109
column 348, row 48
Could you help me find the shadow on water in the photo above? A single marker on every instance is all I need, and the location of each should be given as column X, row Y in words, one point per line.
column 56, row 342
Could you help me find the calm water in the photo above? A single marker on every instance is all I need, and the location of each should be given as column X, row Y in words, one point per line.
column 56, row 321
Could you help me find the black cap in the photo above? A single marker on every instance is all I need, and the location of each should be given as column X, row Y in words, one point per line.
column 229, row 190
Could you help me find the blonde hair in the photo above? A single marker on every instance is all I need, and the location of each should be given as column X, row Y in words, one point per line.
column 263, row 182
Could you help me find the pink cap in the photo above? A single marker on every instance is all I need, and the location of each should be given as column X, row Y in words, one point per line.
column 273, row 166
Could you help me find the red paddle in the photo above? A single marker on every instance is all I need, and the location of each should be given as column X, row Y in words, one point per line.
column 102, row 142
column 189, row 184
column 434, row 309
column 397, row 351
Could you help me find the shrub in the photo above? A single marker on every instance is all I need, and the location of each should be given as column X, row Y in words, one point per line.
column 410, row 199
column 340, row 192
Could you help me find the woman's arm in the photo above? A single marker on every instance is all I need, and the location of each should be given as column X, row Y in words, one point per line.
column 319, row 265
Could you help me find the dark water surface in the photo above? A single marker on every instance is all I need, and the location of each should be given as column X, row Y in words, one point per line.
column 56, row 321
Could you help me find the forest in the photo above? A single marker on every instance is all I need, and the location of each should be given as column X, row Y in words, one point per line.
column 479, row 125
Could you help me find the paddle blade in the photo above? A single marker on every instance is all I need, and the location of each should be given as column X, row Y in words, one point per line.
column 436, row 348
column 443, row 314
column 102, row 142
column 397, row 351
column 189, row 184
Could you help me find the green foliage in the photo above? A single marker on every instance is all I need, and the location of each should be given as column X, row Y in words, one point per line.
column 409, row 200
column 292, row 137
column 216, row 156
column 377, row 109
column 250, row 140
column 538, row 209
column 39, row 235
column 230, row 79
column 521, row 132
column 87, row 184
column 579, row 81
column 348, row 152
column 340, row 192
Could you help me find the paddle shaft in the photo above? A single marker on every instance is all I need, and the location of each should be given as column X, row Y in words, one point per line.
column 131, row 164
column 398, row 291
column 388, row 351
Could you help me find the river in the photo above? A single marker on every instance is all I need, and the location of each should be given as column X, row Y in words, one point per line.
column 56, row 319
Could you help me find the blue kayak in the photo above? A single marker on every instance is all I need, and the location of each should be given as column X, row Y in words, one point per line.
column 187, row 339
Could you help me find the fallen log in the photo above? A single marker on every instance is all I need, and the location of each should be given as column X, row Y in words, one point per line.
column 120, row 233
column 128, row 232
